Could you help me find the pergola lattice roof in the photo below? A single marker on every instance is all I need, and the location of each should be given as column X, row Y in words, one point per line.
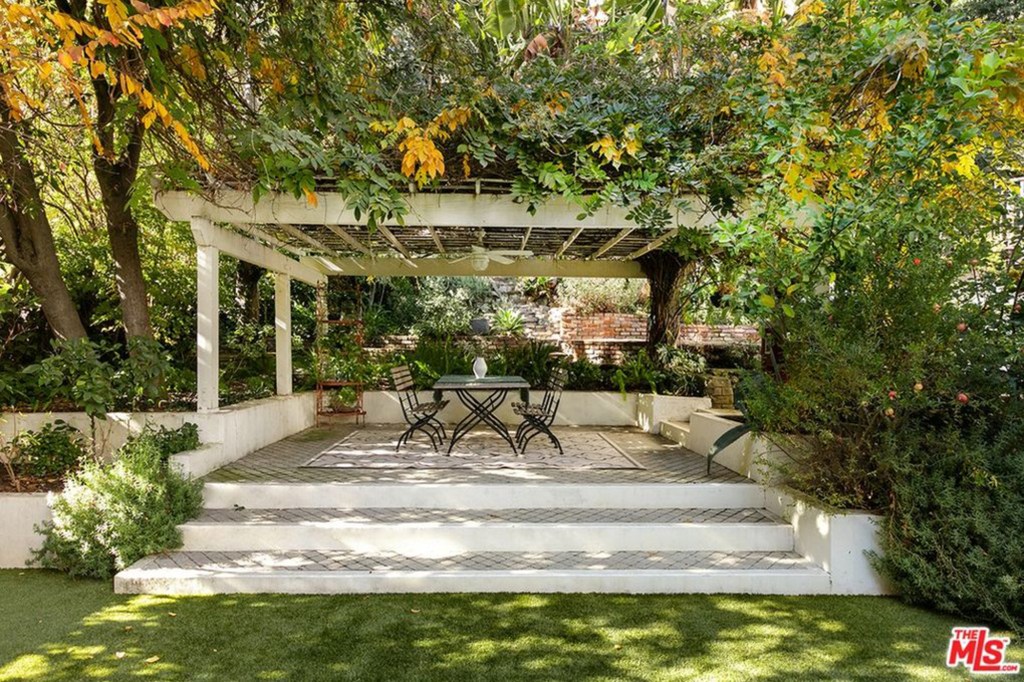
column 438, row 229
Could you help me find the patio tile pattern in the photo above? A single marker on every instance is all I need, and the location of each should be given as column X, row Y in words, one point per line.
column 374, row 448
column 665, row 462
column 483, row 516
column 255, row 562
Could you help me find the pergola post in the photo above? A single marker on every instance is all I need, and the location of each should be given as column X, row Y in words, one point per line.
column 283, row 332
column 207, row 322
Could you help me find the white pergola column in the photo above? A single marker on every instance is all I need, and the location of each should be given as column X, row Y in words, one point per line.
column 283, row 332
column 207, row 322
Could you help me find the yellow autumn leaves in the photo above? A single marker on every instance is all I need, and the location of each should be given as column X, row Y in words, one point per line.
column 612, row 151
column 56, row 40
column 421, row 159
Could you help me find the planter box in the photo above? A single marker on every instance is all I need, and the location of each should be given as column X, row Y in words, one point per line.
column 227, row 434
column 839, row 541
column 20, row 513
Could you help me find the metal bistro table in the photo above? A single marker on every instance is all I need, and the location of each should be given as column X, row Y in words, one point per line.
column 464, row 386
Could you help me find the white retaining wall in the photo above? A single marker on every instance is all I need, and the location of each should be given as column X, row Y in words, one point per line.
column 227, row 434
column 578, row 408
column 20, row 513
column 652, row 410
column 841, row 542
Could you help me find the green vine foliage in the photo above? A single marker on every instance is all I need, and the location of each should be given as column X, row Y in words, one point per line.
column 632, row 112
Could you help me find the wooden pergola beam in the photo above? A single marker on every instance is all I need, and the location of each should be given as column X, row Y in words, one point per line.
column 437, row 239
column 608, row 245
column 523, row 267
column 348, row 239
column 568, row 242
column 393, row 240
column 424, row 209
column 302, row 236
column 652, row 245
column 270, row 239
column 245, row 248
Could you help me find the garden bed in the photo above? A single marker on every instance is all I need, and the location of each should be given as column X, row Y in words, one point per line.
column 30, row 484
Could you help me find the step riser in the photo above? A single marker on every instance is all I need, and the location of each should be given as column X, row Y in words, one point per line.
column 174, row 581
column 444, row 540
column 285, row 496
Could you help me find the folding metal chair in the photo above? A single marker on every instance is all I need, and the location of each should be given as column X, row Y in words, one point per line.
column 421, row 416
column 538, row 418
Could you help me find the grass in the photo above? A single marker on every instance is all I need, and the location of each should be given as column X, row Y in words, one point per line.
column 55, row 628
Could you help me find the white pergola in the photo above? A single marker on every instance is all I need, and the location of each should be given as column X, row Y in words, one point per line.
column 310, row 241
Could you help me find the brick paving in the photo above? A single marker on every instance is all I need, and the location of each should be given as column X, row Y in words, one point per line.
column 483, row 516
column 664, row 461
column 256, row 562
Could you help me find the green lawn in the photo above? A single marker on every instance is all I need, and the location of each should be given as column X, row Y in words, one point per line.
column 54, row 628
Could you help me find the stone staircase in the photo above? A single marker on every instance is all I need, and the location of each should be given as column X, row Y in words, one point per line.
column 457, row 537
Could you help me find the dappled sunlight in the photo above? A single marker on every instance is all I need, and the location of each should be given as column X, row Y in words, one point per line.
column 478, row 636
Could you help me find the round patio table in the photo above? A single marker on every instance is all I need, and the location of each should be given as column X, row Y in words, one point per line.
column 465, row 386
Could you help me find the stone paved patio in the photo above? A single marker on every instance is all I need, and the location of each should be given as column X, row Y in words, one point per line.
column 665, row 462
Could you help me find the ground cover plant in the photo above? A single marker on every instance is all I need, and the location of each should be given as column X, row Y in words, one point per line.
column 61, row 629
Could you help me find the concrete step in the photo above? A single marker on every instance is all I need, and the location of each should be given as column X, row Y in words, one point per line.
column 333, row 572
column 433, row 532
column 514, row 494
column 676, row 431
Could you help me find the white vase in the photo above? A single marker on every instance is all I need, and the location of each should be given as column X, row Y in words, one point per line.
column 479, row 367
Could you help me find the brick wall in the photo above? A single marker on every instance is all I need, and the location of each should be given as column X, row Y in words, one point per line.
column 602, row 337
column 717, row 335
column 624, row 326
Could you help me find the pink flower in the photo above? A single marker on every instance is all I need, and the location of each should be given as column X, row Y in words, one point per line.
column 962, row 398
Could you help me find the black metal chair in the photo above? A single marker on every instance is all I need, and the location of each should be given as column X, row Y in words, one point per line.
column 421, row 416
column 538, row 418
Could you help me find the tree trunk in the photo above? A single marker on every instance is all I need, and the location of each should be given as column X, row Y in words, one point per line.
column 28, row 236
column 664, row 271
column 247, row 290
column 115, row 179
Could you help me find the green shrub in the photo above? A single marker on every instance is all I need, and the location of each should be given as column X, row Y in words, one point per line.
column 532, row 360
column 586, row 295
column 113, row 514
column 167, row 441
column 55, row 449
column 585, row 375
column 445, row 305
column 683, row 371
column 953, row 533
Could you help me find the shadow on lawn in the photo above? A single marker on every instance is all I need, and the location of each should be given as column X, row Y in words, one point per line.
column 504, row 637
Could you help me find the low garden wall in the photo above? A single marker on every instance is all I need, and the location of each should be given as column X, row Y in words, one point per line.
column 20, row 513
column 578, row 408
column 840, row 541
column 235, row 430
column 227, row 435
